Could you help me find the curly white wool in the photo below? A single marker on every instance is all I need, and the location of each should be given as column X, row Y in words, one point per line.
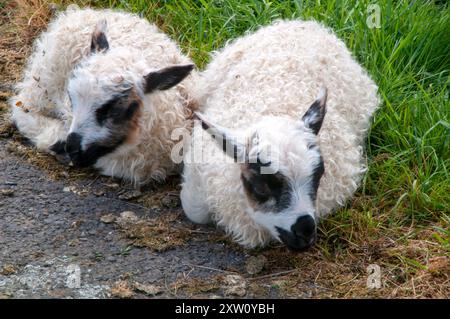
column 41, row 110
column 277, row 71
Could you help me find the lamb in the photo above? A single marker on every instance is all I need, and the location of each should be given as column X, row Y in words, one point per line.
column 97, row 91
column 276, row 163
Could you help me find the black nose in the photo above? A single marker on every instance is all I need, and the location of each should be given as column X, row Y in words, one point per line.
column 304, row 228
column 73, row 144
column 302, row 234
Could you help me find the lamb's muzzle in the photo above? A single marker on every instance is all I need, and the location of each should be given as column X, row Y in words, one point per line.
column 302, row 235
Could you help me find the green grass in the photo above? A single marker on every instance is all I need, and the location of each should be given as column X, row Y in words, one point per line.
column 408, row 57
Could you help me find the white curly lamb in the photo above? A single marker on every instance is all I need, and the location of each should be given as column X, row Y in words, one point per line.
column 258, row 99
column 96, row 90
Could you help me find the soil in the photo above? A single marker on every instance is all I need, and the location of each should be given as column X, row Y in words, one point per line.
column 46, row 228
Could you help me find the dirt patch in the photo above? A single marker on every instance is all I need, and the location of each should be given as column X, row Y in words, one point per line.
column 197, row 287
column 158, row 234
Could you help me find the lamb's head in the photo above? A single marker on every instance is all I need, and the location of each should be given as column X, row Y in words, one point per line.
column 280, row 170
column 106, row 95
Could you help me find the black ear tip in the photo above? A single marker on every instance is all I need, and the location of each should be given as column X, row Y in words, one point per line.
column 166, row 78
column 187, row 68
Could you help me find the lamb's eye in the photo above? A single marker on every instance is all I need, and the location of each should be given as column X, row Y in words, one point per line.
column 103, row 112
column 269, row 192
column 261, row 190
column 131, row 110
column 256, row 188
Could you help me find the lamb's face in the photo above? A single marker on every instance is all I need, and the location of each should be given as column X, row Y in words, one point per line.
column 281, row 178
column 281, row 167
column 107, row 99
column 105, row 116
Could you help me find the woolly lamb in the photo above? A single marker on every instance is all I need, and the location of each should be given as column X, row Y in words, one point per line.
column 96, row 90
column 280, row 174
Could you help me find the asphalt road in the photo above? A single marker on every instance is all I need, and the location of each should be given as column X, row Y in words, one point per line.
column 53, row 243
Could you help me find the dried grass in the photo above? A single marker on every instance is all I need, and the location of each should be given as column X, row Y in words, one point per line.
column 158, row 234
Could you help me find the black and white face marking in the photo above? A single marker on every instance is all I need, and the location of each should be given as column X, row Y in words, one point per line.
column 112, row 124
column 91, row 154
column 290, row 219
column 267, row 192
column 317, row 174
column 119, row 109
column 282, row 200
column 106, row 106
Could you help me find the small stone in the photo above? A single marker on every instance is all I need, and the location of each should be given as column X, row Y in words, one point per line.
column 122, row 289
column 127, row 217
column 7, row 192
column 8, row 270
column 6, row 295
column 150, row 290
column 255, row 265
column 111, row 259
column 76, row 191
column 74, row 243
column 92, row 232
column 171, row 201
column 127, row 195
column 108, row 218
column 112, row 185
column 235, row 285
column 99, row 192
column 81, row 192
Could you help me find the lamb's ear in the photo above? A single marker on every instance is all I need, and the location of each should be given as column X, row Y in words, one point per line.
column 313, row 118
column 166, row 78
column 99, row 42
column 222, row 136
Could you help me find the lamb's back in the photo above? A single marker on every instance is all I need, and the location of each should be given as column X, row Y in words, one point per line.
column 279, row 69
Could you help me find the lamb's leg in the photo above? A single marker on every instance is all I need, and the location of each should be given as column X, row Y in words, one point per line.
column 193, row 198
column 47, row 134
column 32, row 104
